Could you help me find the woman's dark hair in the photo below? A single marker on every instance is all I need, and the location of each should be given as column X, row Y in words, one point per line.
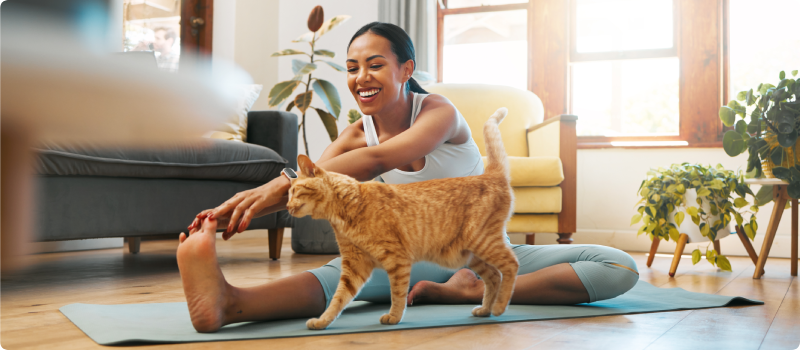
column 402, row 47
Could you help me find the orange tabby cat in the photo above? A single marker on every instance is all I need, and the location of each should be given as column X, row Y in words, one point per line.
column 452, row 222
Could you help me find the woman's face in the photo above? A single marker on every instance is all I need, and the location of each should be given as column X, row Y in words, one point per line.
column 374, row 76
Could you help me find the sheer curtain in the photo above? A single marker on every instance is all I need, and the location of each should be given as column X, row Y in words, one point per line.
column 418, row 19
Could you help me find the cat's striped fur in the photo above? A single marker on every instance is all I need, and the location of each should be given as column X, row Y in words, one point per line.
column 452, row 222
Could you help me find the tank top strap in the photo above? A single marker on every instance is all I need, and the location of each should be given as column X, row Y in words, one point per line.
column 416, row 106
column 369, row 131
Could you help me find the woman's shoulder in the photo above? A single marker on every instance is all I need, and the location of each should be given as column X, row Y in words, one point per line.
column 440, row 104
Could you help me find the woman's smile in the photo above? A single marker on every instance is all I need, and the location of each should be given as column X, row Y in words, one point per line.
column 367, row 95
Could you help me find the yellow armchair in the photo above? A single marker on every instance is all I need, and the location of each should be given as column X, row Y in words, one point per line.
column 542, row 154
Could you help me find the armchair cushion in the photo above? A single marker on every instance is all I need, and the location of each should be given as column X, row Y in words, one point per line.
column 536, row 200
column 535, row 171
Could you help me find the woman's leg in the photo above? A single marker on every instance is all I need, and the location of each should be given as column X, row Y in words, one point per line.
column 214, row 303
column 552, row 274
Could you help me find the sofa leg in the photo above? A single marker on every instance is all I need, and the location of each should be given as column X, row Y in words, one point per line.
column 565, row 238
column 530, row 238
column 133, row 244
column 275, row 243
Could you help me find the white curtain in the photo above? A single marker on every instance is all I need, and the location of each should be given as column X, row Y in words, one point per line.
column 418, row 19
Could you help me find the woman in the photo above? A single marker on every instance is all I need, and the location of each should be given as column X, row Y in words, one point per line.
column 406, row 136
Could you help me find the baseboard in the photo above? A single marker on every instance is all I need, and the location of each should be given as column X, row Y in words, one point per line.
column 628, row 241
column 75, row 245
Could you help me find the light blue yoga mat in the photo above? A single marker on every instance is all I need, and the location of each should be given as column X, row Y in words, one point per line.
column 169, row 322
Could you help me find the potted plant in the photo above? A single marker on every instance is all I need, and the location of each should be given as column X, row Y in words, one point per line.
column 303, row 70
column 766, row 123
column 711, row 197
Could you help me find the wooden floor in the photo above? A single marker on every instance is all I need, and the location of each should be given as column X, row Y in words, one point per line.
column 30, row 300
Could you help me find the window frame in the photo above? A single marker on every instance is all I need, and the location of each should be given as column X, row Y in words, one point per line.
column 703, row 73
column 442, row 10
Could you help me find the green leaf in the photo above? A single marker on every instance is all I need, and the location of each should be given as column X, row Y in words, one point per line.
column 704, row 229
column 723, row 263
column 794, row 189
column 329, row 95
column 764, row 195
column 750, row 99
column 794, row 73
column 674, row 234
column 781, row 172
column 695, row 256
column 739, row 218
column 733, row 143
column 331, row 23
column 681, row 189
column 679, row 216
column 782, row 75
column 281, row 91
column 740, row 202
column 330, row 123
column 353, row 116
column 290, row 106
column 301, row 68
column 335, row 66
column 711, row 256
column 741, row 127
column 741, row 96
column 727, row 115
column 326, row 53
column 303, row 101
column 777, row 156
column 305, row 38
column 748, row 230
column 635, row 219
column 692, row 211
column 288, row 52
column 703, row 192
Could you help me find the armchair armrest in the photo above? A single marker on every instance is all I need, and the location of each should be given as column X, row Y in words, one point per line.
column 276, row 130
column 556, row 137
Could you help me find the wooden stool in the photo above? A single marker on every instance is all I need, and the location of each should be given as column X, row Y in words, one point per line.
column 780, row 197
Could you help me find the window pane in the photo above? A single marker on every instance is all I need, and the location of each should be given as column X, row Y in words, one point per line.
column 626, row 98
column 619, row 25
column 154, row 26
column 764, row 41
column 472, row 3
column 486, row 48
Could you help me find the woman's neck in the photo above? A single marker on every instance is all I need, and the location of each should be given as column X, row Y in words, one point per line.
column 395, row 118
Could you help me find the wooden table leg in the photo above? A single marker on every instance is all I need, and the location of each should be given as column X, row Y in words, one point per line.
column 530, row 238
column 653, row 248
column 275, row 242
column 794, row 237
column 678, row 252
column 748, row 246
column 779, row 199
column 717, row 248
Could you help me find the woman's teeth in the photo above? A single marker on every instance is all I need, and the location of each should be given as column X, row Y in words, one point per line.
column 368, row 93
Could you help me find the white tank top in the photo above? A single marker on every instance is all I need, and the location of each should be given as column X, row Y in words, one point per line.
column 446, row 161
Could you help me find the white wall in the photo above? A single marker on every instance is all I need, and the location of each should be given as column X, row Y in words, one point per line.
column 293, row 16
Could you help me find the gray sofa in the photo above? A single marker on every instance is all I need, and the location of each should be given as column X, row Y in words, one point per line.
column 97, row 192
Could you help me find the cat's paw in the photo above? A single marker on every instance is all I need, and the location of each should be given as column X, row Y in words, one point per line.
column 498, row 309
column 481, row 311
column 317, row 324
column 389, row 319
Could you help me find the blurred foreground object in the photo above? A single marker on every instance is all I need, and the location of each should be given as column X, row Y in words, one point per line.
column 59, row 84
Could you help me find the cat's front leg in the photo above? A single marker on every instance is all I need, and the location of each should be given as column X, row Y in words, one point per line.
column 355, row 272
column 399, row 272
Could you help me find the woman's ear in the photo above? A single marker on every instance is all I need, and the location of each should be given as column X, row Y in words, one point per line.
column 306, row 167
column 408, row 70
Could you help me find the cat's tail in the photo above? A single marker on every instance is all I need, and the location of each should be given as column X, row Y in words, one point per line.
column 495, row 151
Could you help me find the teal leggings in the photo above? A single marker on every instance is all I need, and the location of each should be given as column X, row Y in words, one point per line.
column 605, row 272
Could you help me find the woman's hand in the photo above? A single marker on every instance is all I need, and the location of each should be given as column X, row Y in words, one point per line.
column 236, row 213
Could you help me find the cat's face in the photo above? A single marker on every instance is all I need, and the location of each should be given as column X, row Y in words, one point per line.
column 308, row 191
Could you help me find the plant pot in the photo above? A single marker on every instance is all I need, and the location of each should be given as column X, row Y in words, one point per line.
column 688, row 226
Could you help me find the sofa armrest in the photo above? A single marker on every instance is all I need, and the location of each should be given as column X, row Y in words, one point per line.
column 276, row 130
column 556, row 137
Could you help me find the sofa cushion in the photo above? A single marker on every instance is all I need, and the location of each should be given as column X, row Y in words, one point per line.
column 535, row 171
column 206, row 159
column 535, row 200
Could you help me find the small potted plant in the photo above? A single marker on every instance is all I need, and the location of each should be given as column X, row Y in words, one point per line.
column 711, row 197
column 766, row 123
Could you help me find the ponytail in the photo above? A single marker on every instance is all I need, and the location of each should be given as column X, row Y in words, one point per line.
column 413, row 86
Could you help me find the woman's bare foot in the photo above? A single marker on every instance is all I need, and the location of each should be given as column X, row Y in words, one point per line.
column 207, row 292
column 463, row 288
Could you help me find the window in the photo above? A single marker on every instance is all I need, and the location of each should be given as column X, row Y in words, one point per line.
column 624, row 68
column 483, row 41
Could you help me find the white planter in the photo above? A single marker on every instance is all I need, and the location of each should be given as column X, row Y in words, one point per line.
column 693, row 231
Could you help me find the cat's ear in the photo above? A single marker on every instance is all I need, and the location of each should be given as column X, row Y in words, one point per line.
column 306, row 167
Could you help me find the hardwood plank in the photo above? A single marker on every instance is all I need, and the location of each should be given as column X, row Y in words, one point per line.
column 783, row 333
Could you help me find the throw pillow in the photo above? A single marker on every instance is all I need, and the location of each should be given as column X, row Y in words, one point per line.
column 235, row 128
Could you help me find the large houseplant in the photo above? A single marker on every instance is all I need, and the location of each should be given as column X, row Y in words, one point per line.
column 303, row 76
column 766, row 123
column 720, row 198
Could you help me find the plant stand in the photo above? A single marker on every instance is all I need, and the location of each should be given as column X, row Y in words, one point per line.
column 684, row 238
column 780, row 197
